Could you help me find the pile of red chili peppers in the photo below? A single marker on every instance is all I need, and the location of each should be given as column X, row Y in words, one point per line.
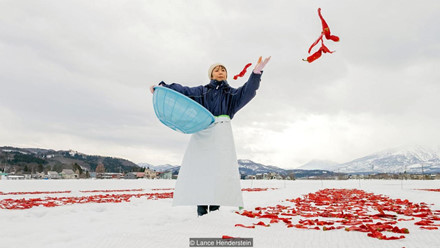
column 348, row 209
column 325, row 33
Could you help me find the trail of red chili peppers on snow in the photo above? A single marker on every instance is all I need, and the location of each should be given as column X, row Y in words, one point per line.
column 107, row 198
column 257, row 189
column 433, row 190
column 60, row 201
column 348, row 209
column 109, row 190
column 36, row 192
column 82, row 191
column 164, row 189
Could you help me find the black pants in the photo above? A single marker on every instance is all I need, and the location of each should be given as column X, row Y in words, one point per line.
column 203, row 209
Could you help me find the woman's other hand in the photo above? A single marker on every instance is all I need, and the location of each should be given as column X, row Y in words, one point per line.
column 261, row 64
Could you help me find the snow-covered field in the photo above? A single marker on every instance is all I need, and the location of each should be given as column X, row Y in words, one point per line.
column 144, row 222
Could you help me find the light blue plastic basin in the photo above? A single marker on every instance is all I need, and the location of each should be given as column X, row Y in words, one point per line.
column 180, row 112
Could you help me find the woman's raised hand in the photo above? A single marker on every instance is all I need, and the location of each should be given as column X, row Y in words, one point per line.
column 260, row 65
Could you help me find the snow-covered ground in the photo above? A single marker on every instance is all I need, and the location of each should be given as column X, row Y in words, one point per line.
column 155, row 223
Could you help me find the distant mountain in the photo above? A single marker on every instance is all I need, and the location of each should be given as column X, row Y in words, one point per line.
column 32, row 159
column 412, row 159
column 319, row 165
column 160, row 168
column 248, row 167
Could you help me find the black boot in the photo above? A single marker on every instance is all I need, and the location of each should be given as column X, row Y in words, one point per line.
column 202, row 210
column 213, row 208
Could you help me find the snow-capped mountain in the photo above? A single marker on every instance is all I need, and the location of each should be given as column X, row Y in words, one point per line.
column 249, row 167
column 159, row 168
column 412, row 159
column 319, row 165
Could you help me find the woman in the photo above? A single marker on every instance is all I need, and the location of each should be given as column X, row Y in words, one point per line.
column 209, row 175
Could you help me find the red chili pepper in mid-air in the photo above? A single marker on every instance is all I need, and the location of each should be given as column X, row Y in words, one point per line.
column 326, row 29
column 314, row 56
column 324, row 33
column 315, row 43
column 241, row 74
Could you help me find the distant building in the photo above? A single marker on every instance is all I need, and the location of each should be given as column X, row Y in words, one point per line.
column 38, row 175
column 15, row 177
column 165, row 175
column 53, row 175
column 130, row 175
column 69, row 174
column 150, row 174
column 110, row 175
column 135, row 175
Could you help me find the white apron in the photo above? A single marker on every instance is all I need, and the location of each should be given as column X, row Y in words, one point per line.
column 209, row 173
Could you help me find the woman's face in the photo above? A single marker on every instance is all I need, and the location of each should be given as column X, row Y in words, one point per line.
column 219, row 73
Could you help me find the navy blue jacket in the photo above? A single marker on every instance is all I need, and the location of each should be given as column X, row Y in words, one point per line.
column 218, row 97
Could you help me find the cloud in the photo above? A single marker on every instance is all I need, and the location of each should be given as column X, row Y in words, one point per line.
column 75, row 75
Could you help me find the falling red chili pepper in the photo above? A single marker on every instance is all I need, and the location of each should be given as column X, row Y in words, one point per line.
column 325, row 49
column 314, row 56
column 324, row 33
column 243, row 72
column 315, row 43
column 326, row 29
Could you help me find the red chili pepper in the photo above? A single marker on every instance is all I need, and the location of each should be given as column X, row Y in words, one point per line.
column 315, row 43
column 243, row 72
column 325, row 49
column 241, row 225
column 434, row 190
column 314, row 56
column 326, row 29
column 429, row 227
column 262, row 224
column 326, row 33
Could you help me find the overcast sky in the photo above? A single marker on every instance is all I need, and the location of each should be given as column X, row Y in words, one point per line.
column 75, row 75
